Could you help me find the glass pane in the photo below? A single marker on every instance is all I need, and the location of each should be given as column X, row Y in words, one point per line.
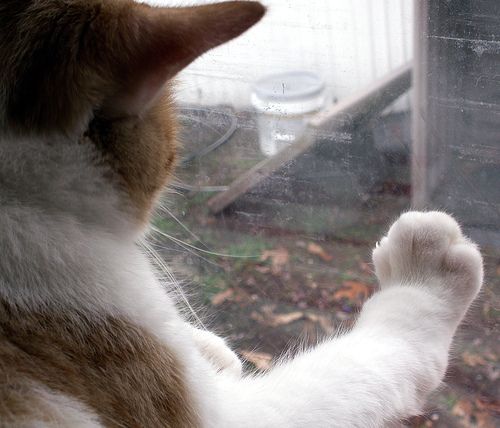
column 305, row 138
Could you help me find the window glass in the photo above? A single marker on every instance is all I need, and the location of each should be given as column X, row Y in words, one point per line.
column 304, row 139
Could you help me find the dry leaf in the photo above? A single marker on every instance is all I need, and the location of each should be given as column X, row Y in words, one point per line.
column 279, row 258
column 263, row 269
column 267, row 317
column 488, row 405
column 490, row 356
column 317, row 250
column 258, row 317
column 463, row 408
column 268, row 310
column 313, row 285
column 473, row 360
column 284, row 319
column 221, row 297
column 325, row 323
column 354, row 291
column 484, row 420
column 261, row 360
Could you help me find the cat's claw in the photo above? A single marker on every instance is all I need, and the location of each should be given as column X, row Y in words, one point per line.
column 429, row 249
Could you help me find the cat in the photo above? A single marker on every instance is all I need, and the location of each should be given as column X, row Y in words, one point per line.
column 89, row 337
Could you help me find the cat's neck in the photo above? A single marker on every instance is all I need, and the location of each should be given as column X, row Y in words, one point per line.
column 67, row 236
column 60, row 177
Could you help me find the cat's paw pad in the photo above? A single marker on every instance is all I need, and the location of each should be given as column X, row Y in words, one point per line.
column 429, row 249
column 215, row 350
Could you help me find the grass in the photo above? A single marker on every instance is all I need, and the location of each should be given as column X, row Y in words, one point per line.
column 449, row 400
column 213, row 284
column 245, row 253
column 249, row 246
column 243, row 250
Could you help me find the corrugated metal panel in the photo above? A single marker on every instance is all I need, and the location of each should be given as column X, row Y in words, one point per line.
column 349, row 43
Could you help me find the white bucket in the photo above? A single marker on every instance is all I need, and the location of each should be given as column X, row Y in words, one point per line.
column 285, row 102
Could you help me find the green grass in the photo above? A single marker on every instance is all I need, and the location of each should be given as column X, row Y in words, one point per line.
column 242, row 253
column 167, row 225
column 212, row 284
column 449, row 401
column 246, row 252
column 248, row 246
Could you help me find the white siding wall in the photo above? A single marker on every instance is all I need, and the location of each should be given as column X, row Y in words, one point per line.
column 348, row 42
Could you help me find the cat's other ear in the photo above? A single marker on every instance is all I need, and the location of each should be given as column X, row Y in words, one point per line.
column 150, row 45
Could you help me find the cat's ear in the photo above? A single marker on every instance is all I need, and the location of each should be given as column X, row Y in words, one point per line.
column 151, row 45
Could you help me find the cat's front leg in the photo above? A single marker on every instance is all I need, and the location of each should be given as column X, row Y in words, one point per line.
column 394, row 357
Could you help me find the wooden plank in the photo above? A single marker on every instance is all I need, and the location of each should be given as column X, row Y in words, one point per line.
column 372, row 100
column 419, row 164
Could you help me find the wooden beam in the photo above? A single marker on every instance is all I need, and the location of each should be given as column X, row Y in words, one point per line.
column 371, row 100
column 419, row 164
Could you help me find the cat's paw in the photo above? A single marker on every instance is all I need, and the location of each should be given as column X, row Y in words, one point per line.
column 216, row 351
column 429, row 249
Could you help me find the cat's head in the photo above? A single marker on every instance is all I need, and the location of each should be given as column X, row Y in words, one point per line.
column 100, row 70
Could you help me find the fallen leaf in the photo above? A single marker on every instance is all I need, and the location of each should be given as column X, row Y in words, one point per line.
column 251, row 281
column 221, row 297
column 268, row 310
column 261, row 360
column 488, row 404
column 278, row 257
column 313, row 285
column 473, row 360
column 267, row 317
column 263, row 269
column 354, row 291
column 325, row 323
column 258, row 317
column 463, row 408
column 284, row 319
column 492, row 372
column 490, row 356
column 484, row 420
column 317, row 250
column 241, row 296
column 498, row 270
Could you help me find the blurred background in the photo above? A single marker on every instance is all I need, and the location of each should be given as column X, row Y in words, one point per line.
column 304, row 139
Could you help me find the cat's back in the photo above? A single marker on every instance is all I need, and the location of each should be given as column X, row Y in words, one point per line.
column 69, row 370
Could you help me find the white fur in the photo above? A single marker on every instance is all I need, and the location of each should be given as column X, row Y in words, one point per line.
column 67, row 240
column 215, row 350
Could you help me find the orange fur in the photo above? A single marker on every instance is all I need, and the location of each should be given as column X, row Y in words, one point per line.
column 142, row 151
column 117, row 369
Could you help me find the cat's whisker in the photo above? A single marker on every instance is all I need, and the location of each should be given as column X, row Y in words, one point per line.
column 171, row 191
column 161, row 265
column 171, row 214
column 212, row 253
column 183, row 245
